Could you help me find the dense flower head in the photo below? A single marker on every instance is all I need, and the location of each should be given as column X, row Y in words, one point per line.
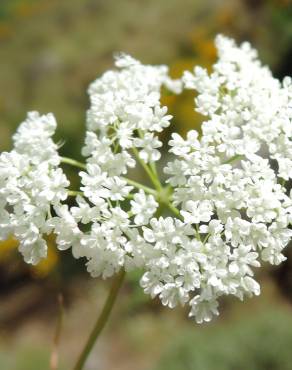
column 30, row 183
column 126, row 111
column 229, row 188
column 225, row 207
column 123, row 121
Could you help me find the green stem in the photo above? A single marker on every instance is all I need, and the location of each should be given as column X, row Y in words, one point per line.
column 198, row 233
column 140, row 186
column 174, row 210
column 153, row 168
column 151, row 175
column 56, row 343
column 73, row 162
column 236, row 157
column 155, row 172
column 101, row 321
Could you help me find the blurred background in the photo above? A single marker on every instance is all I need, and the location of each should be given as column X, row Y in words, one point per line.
column 49, row 52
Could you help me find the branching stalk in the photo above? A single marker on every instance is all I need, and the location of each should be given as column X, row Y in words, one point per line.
column 73, row 162
column 149, row 172
column 235, row 158
column 140, row 186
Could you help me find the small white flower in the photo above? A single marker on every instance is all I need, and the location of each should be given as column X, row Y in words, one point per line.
column 143, row 207
column 198, row 211
column 149, row 144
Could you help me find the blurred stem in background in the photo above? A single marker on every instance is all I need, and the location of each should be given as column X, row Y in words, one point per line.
column 54, row 362
column 101, row 320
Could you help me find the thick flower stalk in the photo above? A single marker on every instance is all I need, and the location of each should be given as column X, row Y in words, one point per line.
column 225, row 206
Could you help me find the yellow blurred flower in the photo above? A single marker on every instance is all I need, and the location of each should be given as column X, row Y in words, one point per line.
column 7, row 247
column 5, row 30
column 7, row 252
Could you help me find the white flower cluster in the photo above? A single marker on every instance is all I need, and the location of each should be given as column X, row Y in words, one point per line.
column 30, row 183
column 225, row 207
column 124, row 116
column 126, row 109
column 226, row 184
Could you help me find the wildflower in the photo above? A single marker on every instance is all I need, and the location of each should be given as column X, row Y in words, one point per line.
column 224, row 209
